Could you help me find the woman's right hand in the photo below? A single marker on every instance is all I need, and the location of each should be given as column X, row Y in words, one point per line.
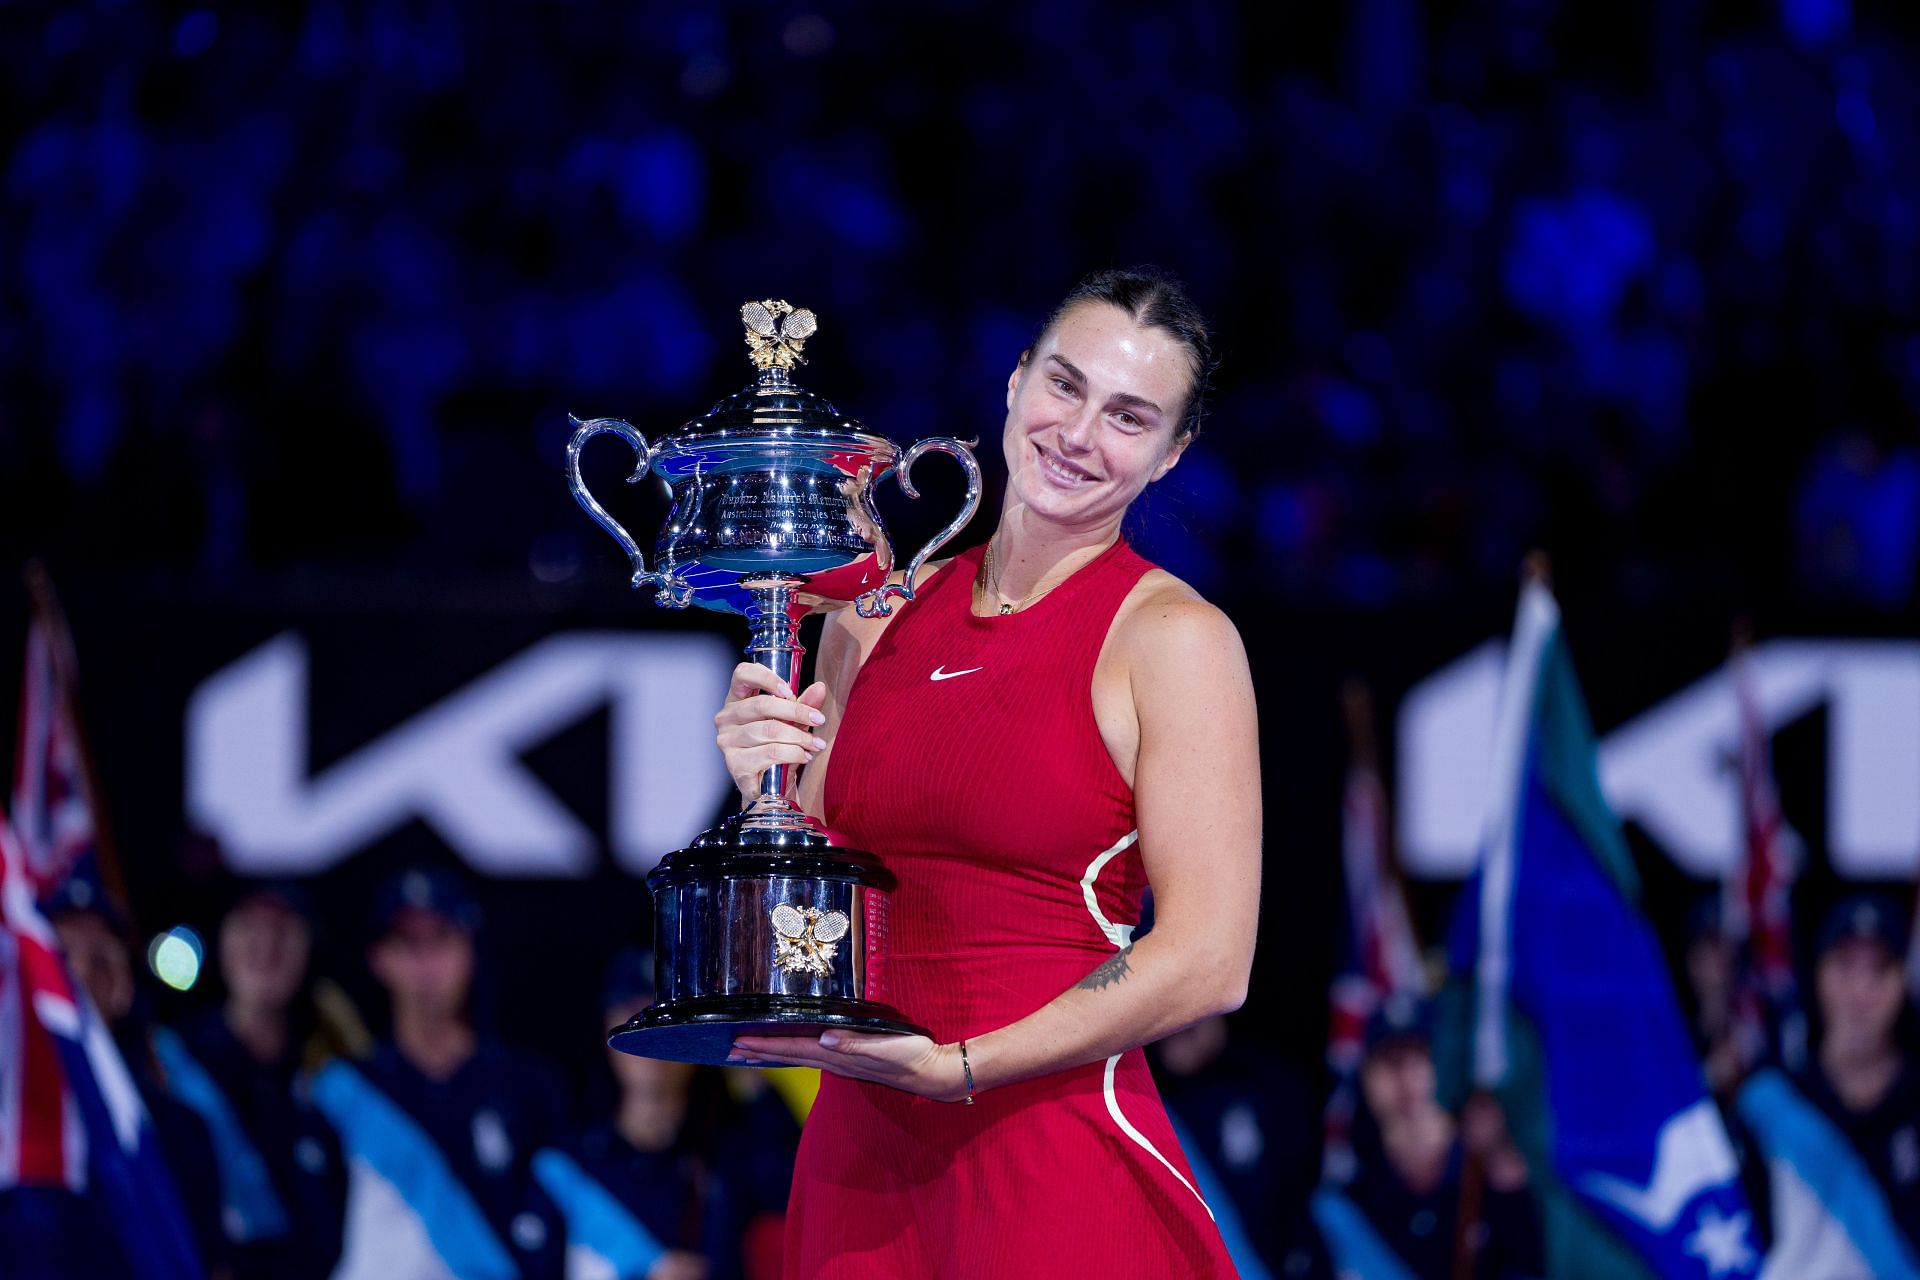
column 763, row 724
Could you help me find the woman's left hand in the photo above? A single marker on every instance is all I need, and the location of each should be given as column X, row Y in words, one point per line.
column 914, row 1064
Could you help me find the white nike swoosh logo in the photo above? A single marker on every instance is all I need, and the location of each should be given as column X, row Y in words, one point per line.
column 941, row 673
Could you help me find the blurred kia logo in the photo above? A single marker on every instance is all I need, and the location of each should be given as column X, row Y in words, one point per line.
column 456, row 765
column 1671, row 769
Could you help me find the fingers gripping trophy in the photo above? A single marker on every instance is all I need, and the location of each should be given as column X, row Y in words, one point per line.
column 762, row 924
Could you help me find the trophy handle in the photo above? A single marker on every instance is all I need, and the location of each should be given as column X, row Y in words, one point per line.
column 877, row 602
column 675, row 591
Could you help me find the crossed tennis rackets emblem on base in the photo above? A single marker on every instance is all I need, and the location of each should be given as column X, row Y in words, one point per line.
column 808, row 938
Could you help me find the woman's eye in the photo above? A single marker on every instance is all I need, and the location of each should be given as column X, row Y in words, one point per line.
column 1126, row 420
column 1064, row 387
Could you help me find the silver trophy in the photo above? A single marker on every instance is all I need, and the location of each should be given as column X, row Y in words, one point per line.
column 761, row 924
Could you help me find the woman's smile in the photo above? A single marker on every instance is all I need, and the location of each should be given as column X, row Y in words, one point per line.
column 1065, row 474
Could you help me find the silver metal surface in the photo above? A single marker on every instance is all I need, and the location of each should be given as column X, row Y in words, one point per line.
column 674, row 590
column 773, row 511
column 874, row 604
column 772, row 484
column 718, row 937
column 772, row 515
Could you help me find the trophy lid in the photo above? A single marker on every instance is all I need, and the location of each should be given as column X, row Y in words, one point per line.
column 773, row 405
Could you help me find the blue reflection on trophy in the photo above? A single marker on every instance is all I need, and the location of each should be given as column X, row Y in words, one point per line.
column 761, row 924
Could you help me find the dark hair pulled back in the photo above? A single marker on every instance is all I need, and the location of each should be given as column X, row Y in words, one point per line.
column 1158, row 300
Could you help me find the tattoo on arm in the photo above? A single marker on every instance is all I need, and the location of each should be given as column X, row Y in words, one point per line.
column 1111, row 970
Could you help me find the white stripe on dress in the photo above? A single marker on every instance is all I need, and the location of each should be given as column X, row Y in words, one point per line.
column 1121, row 935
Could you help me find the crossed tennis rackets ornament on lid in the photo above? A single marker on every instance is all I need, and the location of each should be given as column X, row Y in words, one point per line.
column 775, row 333
column 808, row 938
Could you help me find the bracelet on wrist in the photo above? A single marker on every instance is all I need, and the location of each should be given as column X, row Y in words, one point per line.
column 966, row 1069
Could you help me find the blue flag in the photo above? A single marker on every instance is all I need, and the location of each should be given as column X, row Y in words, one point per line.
column 71, row 1116
column 1575, row 1025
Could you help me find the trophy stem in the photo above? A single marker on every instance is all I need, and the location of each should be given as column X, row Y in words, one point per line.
column 776, row 645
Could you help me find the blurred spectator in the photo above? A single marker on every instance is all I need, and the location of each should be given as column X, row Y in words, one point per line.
column 93, row 938
column 1861, row 1076
column 771, row 1104
column 1436, row 1191
column 1711, row 963
column 441, row 1124
column 1255, row 1126
column 663, row 1159
column 283, row 1180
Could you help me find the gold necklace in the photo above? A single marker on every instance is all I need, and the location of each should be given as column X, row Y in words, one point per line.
column 986, row 580
column 984, row 575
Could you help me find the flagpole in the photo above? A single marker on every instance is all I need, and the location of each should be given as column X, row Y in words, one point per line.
column 1535, row 619
column 1733, row 916
column 1536, row 571
column 1736, row 918
column 1356, row 702
column 45, row 602
column 1400, row 942
column 1470, row 1209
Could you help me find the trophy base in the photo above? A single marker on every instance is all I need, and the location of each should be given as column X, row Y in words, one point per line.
column 704, row 1032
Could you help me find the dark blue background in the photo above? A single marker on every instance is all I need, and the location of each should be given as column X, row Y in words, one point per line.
column 1637, row 281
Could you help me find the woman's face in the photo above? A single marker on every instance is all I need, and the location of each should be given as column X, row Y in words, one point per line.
column 1398, row 1082
column 1860, row 988
column 1092, row 416
column 644, row 1075
column 263, row 952
column 98, row 957
column 426, row 963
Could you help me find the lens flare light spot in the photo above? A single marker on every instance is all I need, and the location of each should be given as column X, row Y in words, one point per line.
column 175, row 956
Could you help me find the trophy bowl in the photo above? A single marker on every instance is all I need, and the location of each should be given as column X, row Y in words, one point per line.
column 762, row 924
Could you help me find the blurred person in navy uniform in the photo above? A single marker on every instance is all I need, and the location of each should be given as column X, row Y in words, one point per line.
column 668, row 1161
column 1712, row 966
column 439, row 1126
column 1412, row 1160
column 93, row 937
column 1861, row 1076
column 240, row 1066
column 771, row 1104
column 1256, row 1127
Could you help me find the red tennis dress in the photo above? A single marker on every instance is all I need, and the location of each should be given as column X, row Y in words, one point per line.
column 969, row 761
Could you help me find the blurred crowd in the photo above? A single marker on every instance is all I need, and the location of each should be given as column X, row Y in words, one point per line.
column 313, row 285
column 1435, row 1176
column 303, row 1145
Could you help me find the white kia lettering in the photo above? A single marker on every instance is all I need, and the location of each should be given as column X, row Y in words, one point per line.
column 456, row 765
column 1671, row 768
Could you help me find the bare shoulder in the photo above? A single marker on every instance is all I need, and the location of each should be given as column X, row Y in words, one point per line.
column 1164, row 618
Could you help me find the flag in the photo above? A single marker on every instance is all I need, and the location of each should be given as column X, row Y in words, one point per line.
column 1572, row 1017
column 1380, row 957
column 53, row 812
column 1758, row 911
column 70, row 1114
column 42, row 1143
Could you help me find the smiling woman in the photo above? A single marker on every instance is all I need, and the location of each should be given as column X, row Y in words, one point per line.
column 1051, row 728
